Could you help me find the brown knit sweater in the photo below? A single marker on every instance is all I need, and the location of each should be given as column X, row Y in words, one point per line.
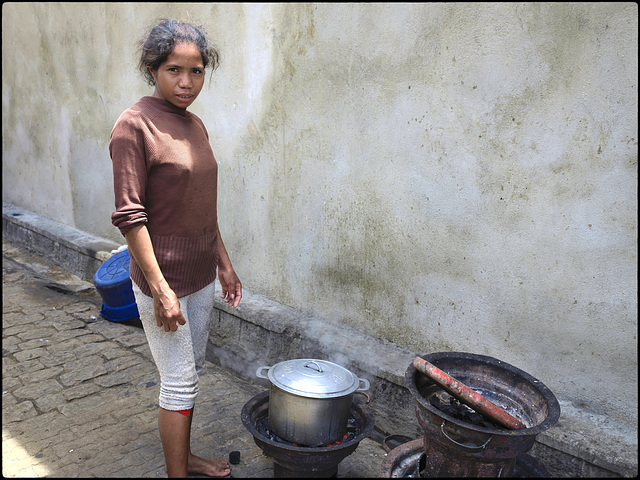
column 165, row 176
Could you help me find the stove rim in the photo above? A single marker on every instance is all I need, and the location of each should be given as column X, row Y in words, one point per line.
column 553, row 406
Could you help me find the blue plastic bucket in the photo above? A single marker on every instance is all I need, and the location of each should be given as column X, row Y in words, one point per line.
column 114, row 286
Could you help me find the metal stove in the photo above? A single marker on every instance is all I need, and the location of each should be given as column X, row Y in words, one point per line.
column 294, row 461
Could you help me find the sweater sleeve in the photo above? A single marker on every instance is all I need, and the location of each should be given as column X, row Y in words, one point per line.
column 127, row 150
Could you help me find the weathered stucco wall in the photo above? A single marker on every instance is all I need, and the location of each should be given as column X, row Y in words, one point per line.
column 443, row 176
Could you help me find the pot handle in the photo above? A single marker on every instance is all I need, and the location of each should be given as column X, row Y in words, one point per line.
column 365, row 382
column 469, row 448
column 259, row 373
column 365, row 387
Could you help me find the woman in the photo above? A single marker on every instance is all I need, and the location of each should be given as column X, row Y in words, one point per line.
column 165, row 183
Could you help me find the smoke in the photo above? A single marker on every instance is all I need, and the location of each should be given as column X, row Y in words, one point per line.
column 261, row 332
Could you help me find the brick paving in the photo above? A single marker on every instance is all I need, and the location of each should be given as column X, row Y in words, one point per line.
column 80, row 393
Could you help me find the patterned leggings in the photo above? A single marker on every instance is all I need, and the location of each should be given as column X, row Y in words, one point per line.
column 179, row 355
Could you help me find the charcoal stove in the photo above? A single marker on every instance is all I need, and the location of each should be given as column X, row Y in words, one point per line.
column 294, row 461
column 456, row 447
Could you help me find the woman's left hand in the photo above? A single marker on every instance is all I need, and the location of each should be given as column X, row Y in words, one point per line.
column 231, row 287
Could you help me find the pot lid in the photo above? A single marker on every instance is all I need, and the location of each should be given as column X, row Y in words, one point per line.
column 313, row 378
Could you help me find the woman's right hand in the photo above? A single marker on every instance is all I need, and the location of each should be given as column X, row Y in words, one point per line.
column 166, row 307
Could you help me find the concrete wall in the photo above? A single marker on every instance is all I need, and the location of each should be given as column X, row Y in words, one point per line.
column 439, row 176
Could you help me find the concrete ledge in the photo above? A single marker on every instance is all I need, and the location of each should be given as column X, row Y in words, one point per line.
column 78, row 252
column 262, row 333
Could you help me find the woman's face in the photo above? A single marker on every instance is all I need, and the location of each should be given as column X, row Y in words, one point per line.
column 180, row 78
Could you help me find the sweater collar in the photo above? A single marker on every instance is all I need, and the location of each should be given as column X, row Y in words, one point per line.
column 163, row 105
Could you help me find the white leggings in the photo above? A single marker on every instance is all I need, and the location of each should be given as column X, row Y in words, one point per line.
column 179, row 355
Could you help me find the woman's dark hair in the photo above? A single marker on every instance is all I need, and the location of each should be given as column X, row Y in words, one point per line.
column 164, row 36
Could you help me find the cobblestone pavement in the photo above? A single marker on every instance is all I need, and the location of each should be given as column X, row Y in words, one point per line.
column 79, row 393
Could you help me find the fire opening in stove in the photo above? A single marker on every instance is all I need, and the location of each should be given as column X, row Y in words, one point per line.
column 262, row 425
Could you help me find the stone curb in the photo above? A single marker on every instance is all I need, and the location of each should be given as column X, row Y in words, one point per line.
column 78, row 252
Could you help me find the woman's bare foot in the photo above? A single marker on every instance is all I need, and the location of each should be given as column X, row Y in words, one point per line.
column 213, row 467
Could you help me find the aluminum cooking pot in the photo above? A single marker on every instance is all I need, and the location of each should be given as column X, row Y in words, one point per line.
column 309, row 400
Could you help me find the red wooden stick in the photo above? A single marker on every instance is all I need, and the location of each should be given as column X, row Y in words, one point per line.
column 467, row 395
